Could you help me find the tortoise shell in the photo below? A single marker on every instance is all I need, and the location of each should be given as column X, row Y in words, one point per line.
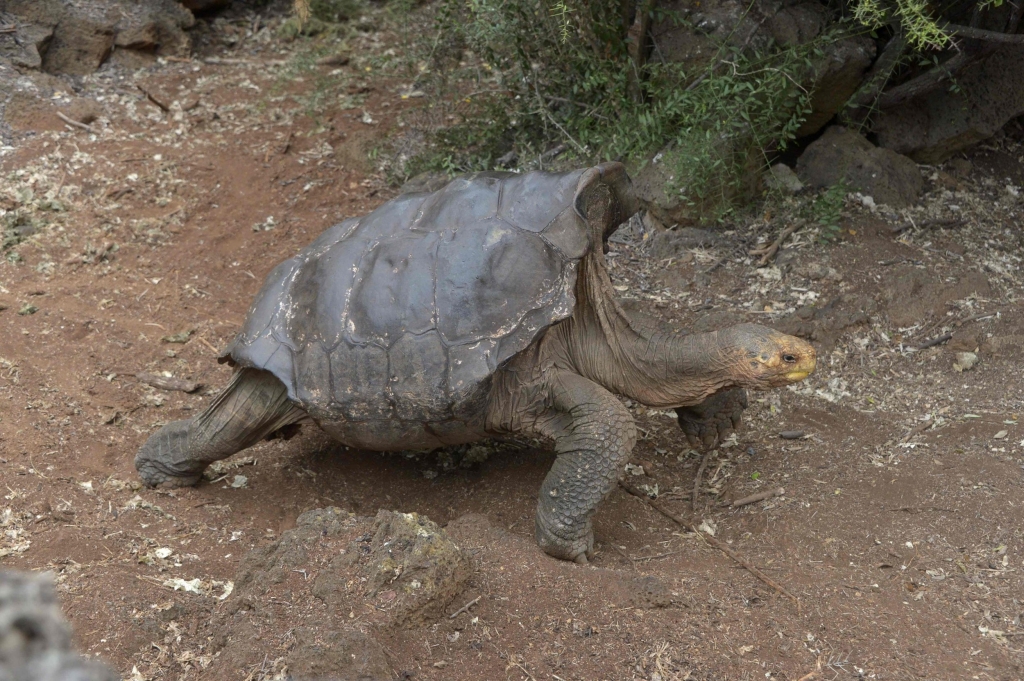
column 405, row 313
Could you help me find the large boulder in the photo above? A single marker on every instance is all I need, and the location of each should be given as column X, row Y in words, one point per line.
column 667, row 185
column 345, row 578
column 62, row 36
column 35, row 641
column 25, row 45
column 798, row 24
column 932, row 127
column 843, row 155
column 694, row 36
column 691, row 34
column 835, row 75
column 81, row 42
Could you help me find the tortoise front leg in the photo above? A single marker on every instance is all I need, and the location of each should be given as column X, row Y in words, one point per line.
column 594, row 436
column 714, row 419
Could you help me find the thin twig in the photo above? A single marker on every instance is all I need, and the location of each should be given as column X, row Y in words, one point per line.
column 760, row 496
column 711, row 540
column 149, row 95
column 814, row 674
column 656, row 557
column 77, row 124
column 465, row 608
column 253, row 62
column 750, row 568
column 168, row 382
column 769, row 252
column 975, row 318
column 934, row 341
column 697, row 479
column 207, row 344
column 981, row 34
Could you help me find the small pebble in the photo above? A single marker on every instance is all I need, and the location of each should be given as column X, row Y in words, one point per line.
column 791, row 434
column 965, row 361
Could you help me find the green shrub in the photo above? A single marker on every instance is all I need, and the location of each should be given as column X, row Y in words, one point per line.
column 559, row 75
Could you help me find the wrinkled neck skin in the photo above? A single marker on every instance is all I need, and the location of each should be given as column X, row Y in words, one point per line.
column 651, row 365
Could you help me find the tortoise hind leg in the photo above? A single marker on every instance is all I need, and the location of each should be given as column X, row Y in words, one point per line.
column 253, row 406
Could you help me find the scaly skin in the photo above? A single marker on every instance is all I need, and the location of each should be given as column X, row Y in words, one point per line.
column 252, row 406
column 707, row 424
column 165, row 460
column 593, row 445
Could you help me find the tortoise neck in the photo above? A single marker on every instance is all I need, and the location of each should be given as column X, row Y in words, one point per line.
column 653, row 365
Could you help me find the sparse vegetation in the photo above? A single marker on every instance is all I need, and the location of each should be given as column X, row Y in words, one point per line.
column 557, row 80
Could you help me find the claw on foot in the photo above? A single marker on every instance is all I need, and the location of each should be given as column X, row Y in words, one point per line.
column 164, row 461
column 576, row 550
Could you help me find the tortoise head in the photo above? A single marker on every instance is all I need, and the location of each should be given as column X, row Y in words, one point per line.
column 764, row 358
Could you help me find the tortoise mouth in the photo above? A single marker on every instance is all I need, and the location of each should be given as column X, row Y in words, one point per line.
column 804, row 368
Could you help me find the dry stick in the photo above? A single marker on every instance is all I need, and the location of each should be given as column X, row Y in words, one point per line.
column 254, row 62
column 71, row 121
column 760, row 496
column 956, row 325
column 714, row 542
column 207, row 344
column 932, row 78
column 981, row 34
column 769, row 252
column 859, row 105
column 696, row 480
column 168, row 382
column 934, row 341
column 750, row 568
column 163, row 107
column 656, row 557
column 465, row 608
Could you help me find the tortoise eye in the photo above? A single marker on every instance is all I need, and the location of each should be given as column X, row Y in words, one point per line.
column 790, row 359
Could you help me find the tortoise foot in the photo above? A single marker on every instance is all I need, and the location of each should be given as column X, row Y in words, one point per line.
column 164, row 460
column 577, row 547
column 712, row 421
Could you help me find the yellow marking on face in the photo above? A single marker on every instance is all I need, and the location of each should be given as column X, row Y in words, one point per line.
column 797, row 375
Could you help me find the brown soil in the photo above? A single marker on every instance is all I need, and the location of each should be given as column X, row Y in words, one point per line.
column 900, row 530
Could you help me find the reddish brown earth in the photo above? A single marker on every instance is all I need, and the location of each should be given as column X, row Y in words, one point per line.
column 901, row 530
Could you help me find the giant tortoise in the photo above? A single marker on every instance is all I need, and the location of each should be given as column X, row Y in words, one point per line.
column 479, row 310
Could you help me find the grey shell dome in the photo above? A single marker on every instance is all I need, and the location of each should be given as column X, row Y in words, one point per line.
column 406, row 312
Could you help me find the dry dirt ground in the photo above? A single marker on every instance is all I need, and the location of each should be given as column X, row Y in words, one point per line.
column 900, row 532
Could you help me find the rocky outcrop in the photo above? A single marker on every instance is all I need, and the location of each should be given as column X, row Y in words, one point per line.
column 934, row 126
column 843, row 155
column 60, row 36
column 694, row 37
column 394, row 570
column 690, row 34
column 35, row 641
column 408, row 561
column 836, row 75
